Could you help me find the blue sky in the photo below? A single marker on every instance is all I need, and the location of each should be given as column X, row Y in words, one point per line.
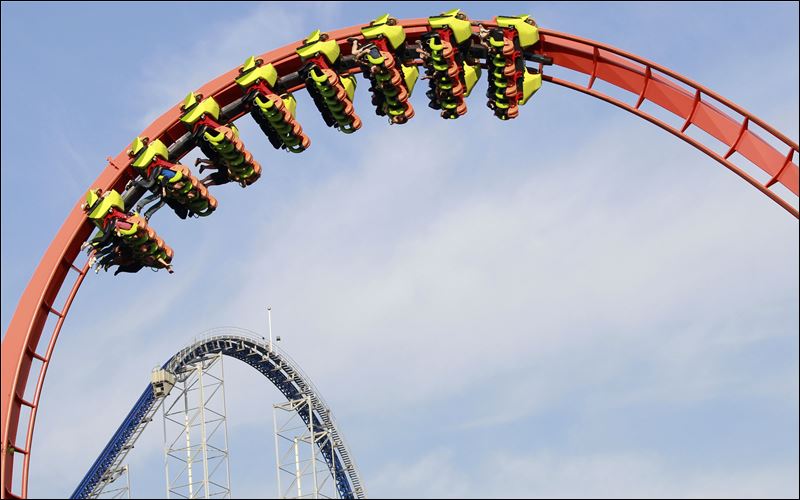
column 604, row 312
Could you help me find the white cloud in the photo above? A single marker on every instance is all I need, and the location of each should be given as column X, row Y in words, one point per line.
column 441, row 474
column 392, row 265
column 200, row 58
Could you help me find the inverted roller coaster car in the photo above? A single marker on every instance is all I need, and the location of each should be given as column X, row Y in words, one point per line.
column 382, row 60
column 220, row 143
column 511, row 84
column 274, row 112
column 449, row 68
column 171, row 183
column 332, row 93
column 122, row 239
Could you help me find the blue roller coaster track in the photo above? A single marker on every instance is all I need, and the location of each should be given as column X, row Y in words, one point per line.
column 273, row 364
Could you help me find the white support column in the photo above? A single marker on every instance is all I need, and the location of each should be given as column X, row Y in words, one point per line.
column 297, row 446
column 196, row 433
column 128, row 479
column 187, row 430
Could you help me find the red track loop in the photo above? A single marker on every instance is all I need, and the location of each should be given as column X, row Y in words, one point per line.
column 629, row 72
column 668, row 90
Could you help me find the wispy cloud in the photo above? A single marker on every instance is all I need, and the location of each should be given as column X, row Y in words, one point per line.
column 170, row 76
column 439, row 474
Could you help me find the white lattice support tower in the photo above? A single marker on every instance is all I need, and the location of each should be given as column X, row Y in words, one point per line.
column 196, row 458
column 191, row 427
column 302, row 471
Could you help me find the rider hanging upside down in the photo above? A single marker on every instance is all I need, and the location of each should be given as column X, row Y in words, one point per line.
column 384, row 61
column 220, row 143
column 218, row 178
column 170, row 183
column 122, row 239
column 364, row 55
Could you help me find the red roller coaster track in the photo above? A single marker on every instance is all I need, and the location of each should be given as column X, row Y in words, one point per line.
column 693, row 104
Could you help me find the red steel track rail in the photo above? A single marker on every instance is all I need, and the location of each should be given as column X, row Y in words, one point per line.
column 692, row 103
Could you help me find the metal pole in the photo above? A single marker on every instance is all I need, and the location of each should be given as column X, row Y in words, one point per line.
column 128, row 477
column 225, row 411
column 297, row 469
column 203, row 436
column 277, row 453
column 166, row 447
column 269, row 319
column 313, row 447
column 188, row 430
